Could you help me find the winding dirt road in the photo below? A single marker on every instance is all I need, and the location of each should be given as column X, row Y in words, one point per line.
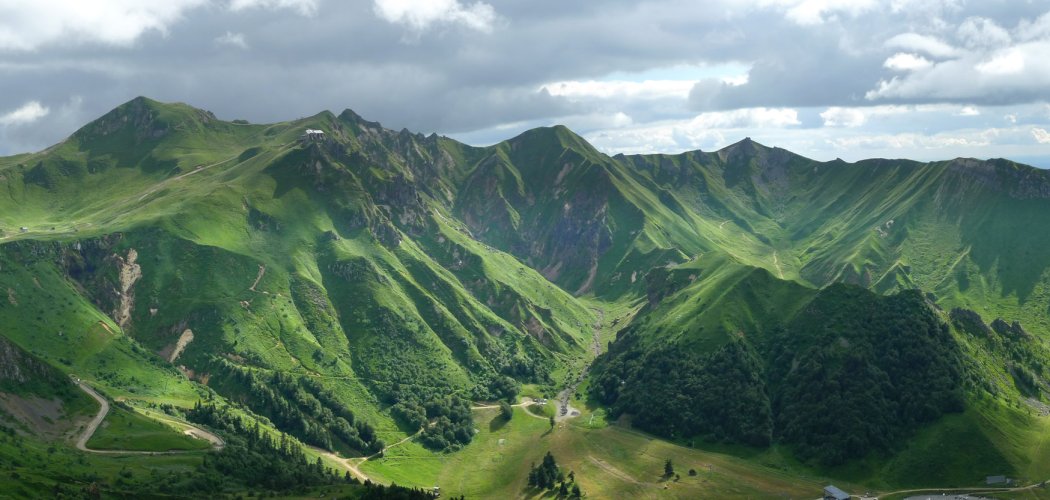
column 216, row 442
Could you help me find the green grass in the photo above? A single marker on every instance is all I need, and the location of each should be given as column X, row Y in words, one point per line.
column 128, row 430
column 496, row 464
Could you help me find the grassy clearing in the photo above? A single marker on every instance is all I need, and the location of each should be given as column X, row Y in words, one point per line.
column 609, row 462
column 127, row 430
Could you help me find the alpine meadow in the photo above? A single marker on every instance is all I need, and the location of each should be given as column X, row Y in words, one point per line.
column 631, row 249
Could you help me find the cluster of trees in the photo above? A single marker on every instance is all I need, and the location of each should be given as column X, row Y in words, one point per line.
column 852, row 373
column 252, row 458
column 855, row 373
column 548, row 476
column 446, row 421
column 298, row 406
column 674, row 392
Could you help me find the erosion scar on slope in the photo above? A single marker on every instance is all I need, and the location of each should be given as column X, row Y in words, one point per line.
column 130, row 272
column 184, row 340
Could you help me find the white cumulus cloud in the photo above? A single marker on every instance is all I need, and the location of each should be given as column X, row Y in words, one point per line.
column 987, row 60
column 1004, row 63
column 906, row 62
column 811, row 12
column 1041, row 135
column 27, row 113
column 930, row 45
column 836, row 116
column 843, row 117
column 29, row 25
column 421, row 14
column 746, row 117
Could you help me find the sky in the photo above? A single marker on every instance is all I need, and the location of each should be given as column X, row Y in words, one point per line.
column 850, row 79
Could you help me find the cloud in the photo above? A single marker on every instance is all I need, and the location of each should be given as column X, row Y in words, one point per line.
column 856, row 117
column 646, row 89
column 1041, row 135
column 992, row 64
column 1007, row 62
column 843, row 117
column 906, row 62
column 748, row 117
column 28, row 113
column 233, row 40
column 968, row 111
column 980, row 32
column 29, row 25
column 930, row 45
column 303, row 7
column 813, row 12
column 421, row 14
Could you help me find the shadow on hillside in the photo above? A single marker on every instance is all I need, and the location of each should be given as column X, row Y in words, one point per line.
column 497, row 423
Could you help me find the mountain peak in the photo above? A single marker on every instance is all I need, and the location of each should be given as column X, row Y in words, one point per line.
column 350, row 116
column 554, row 136
column 145, row 118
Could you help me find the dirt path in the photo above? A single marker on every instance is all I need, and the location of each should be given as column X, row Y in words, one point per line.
column 196, row 170
column 612, row 470
column 216, row 441
column 776, row 264
column 262, row 272
column 95, row 422
column 351, row 464
column 525, row 402
column 966, row 491
column 346, row 463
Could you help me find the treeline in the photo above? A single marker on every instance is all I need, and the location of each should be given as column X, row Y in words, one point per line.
column 298, row 406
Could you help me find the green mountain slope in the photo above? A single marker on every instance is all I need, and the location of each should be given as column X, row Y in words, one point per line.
column 349, row 288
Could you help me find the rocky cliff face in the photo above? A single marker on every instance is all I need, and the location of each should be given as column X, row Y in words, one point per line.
column 18, row 367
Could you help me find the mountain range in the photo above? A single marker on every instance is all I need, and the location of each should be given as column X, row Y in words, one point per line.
column 883, row 324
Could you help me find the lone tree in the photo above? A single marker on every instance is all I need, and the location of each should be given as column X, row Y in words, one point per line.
column 668, row 468
column 552, row 421
column 506, row 410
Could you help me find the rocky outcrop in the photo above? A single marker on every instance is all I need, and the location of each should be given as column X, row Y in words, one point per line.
column 130, row 273
column 19, row 369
